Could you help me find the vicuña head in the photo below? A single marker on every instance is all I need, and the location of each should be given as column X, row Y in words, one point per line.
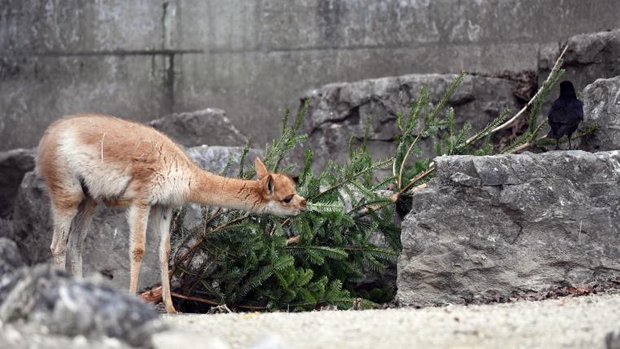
column 90, row 159
column 278, row 192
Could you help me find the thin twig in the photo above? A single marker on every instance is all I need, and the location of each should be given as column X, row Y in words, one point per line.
column 343, row 182
column 202, row 239
column 414, row 180
column 194, row 299
column 399, row 180
column 293, row 240
column 510, row 121
column 285, row 222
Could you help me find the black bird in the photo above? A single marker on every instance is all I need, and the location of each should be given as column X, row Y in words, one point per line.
column 565, row 115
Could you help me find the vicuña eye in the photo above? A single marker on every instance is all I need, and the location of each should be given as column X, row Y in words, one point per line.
column 287, row 199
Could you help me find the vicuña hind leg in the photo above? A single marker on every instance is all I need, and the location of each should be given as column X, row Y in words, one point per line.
column 64, row 208
column 138, row 216
column 77, row 236
column 162, row 216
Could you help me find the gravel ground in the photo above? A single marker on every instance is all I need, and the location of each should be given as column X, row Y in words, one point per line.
column 580, row 322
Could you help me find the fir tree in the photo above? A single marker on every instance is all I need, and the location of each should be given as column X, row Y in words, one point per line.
column 261, row 262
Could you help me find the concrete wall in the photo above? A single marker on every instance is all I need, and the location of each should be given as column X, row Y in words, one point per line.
column 145, row 58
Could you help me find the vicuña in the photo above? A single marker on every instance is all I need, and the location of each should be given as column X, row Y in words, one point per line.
column 90, row 159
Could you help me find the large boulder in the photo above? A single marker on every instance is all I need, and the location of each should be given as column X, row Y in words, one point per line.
column 14, row 164
column 588, row 57
column 339, row 111
column 42, row 300
column 601, row 108
column 107, row 244
column 32, row 220
column 496, row 226
column 207, row 126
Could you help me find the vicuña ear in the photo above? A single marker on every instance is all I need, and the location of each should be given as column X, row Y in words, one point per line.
column 261, row 170
column 269, row 185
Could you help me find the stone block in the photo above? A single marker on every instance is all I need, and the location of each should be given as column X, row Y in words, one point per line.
column 525, row 223
column 602, row 109
column 589, row 57
column 342, row 110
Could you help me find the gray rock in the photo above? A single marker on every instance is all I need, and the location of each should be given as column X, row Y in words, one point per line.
column 10, row 256
column 589, row 57
column 339, row 111
column 215, row 158
column 519, row 223
column 601, row 101
column 207, row 126
column 46, row 297
column 612, row 340
column 107, row 244
column 24, row 336
column 13, row 166
column 32, row 221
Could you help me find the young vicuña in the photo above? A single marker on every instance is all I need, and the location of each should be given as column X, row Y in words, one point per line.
column 91, row 159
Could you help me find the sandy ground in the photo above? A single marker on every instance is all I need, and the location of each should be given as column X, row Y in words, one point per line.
column 580, row 322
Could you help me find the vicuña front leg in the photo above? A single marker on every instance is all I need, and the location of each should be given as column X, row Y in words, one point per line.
column 163, row 217
column 138, row 216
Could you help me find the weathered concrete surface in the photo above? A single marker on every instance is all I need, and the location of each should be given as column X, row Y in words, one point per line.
column 31, row 27
column 36, row 90
column 601, row 108
column 143, row 59
column 337, row 112
column 107, row 243
column 496, row 226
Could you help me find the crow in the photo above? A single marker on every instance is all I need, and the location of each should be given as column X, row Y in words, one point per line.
column 565, row 115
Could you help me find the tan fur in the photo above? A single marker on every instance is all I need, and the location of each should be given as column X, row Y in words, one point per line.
column 90, row 159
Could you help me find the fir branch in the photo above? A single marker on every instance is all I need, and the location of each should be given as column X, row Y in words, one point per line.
column 324, row 251
column 536, row 101
column 351, row 178
column 554, row 71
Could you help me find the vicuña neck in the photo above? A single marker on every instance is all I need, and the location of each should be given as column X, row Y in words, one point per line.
column 212, row 190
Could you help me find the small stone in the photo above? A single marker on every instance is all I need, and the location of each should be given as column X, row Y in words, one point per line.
column 612, row 340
